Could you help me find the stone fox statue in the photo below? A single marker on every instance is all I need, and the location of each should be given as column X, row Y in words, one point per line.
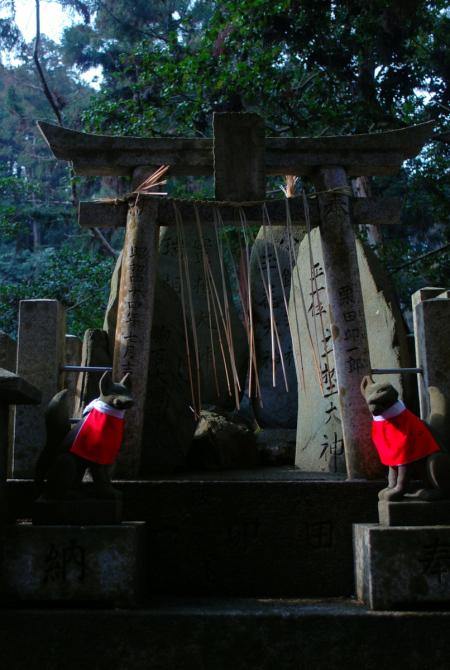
column 92, row 443
column 406, row 445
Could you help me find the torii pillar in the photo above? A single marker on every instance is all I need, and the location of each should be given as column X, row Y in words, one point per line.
column 239, row 154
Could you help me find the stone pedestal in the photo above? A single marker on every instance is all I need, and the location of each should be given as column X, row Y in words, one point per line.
column 414, row 513
column 85, row 512
column 73, row 564
column 402, row 567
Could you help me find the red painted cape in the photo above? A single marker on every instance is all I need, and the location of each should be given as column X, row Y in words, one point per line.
column 100, row 437
column 402, row 439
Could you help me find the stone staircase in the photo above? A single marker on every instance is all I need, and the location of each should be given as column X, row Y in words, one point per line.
column 243, row 570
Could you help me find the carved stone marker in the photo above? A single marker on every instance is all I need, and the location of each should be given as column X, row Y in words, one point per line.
column 319, row 430
column 134, row 323
column 404, row 566
column 72, row 563
column 279, row 407
column 40, row 354
column 169, row 423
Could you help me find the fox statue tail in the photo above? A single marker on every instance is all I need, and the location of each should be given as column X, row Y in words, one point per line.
column 57, row 422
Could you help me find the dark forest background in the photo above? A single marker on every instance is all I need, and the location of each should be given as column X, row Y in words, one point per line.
column 311, row 67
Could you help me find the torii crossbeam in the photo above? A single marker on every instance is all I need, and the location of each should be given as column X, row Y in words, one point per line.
column 240, row 157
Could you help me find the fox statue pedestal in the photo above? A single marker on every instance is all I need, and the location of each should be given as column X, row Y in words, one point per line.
column 73, row 563
column 404, row 561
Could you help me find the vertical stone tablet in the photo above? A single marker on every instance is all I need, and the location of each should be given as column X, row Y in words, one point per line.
column 348, row 327
column 134, row 322
column 40, row 353
column 239, row 157
column 320, row 446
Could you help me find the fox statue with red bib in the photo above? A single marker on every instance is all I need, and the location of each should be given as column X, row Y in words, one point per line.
column 93, row 443
column 407, row 446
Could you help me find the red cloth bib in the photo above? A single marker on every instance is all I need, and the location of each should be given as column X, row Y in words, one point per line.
column 99, row 438
column 402, row 439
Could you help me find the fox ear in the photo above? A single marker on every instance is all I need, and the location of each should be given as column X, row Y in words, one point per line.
column 106, row 383
column 126, row 381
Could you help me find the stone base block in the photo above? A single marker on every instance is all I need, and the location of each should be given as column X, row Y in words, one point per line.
column 403, row 566
column 73, row 564
column 414, row 513
column 79, row 512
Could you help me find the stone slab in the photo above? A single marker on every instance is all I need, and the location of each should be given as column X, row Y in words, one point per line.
column 72, row 563
column 87, row 511
column 402, row 567
column 242, row 634
column 263, row 532
column 40, row 353
column 414, row 513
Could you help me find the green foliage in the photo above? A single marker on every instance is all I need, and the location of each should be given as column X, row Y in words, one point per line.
column 78, row 278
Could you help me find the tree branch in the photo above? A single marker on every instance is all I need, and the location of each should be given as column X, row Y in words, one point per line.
column 47, row 91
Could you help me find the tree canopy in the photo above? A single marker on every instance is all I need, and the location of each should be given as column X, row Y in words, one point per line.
column 310, row 68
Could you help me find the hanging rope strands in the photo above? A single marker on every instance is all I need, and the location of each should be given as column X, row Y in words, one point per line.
column 273, row 323
column 183, row 265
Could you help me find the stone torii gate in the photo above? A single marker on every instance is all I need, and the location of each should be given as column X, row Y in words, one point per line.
column 240, row 157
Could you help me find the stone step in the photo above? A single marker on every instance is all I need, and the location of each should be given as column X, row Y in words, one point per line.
column 240, row 634
column 271, row 533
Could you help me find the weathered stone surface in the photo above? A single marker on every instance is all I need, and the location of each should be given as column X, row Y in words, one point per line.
column 319, row 431
column 109, row 324
column 239, row 156
column 272, row 531
column 95, row 352
column 414, row 513
column 169, row 423
column 134, row 323
column 279, row 407
column 363, row 154
column 74, row 347
column 72, row 563
column 169, row 272
column 221, row 444
column 403, row 566
column 219, row 634
column 431, row 321
column 39, row 357
column 82, row 511
column 276, row 446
